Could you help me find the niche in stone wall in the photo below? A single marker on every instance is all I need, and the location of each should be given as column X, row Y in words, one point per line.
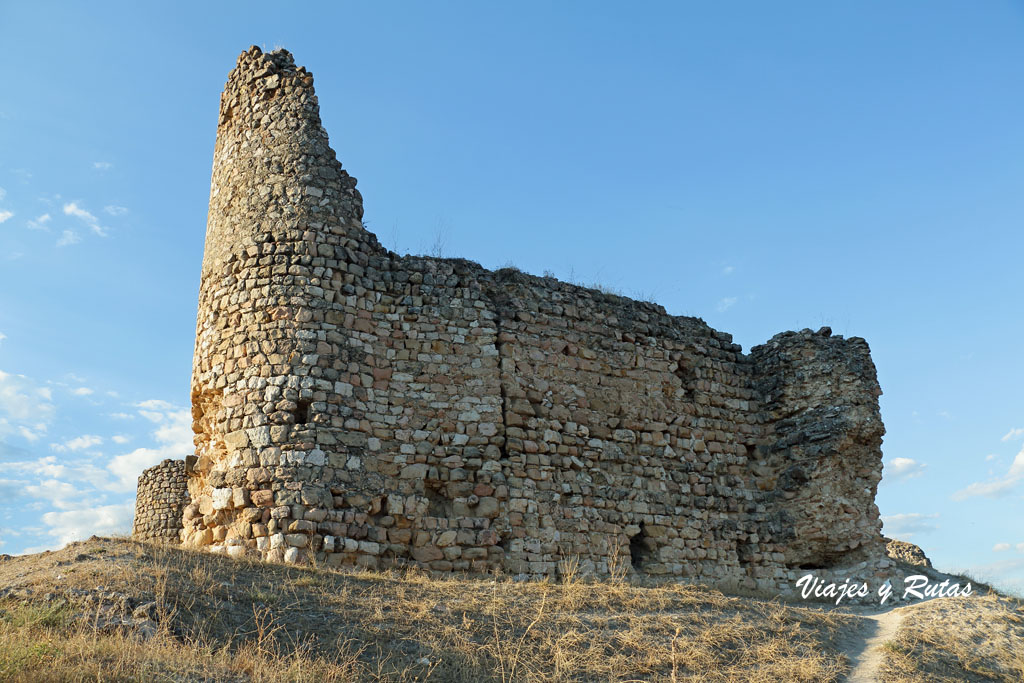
column 302, row 411
column 438, row 504
column 824, row 561
column 686, row 371
column 639, row 548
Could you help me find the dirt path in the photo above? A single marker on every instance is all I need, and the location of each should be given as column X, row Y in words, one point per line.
column 864, row 649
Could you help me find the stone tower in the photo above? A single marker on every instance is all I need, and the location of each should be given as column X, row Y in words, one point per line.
column 365, row 408
column 267, row 358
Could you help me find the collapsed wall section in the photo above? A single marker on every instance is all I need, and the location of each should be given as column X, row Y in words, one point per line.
column 160, row 500
column 822, row 456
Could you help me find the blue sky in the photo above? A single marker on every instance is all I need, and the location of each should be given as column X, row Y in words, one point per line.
column 765, row 166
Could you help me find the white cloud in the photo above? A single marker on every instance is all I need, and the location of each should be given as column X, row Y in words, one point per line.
column 1015, row 433
column 39, row 223
column 905, row 468
column 5, row 215
column 2, row 336
column 60, row 494
column 24, row 407
column 78, row 443
column 83, row 391
column 1000, row 547
column 173, row 435
column 102, row 165
column 726, row 303
column 120, row 439
column 115, row 210
column 73, row 209
column 103, row 520
column 1020, row 547
column 82, row 473
column 999, row 486
column 32, row 433
column 905, row 525
column 728, row 270
column 122, row 416
column 68, row 237
column 154, row 404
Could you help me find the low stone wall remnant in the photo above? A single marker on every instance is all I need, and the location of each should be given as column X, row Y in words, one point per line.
column 160, row 501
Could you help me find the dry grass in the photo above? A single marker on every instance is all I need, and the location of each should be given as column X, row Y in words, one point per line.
column 226, row 620
column 979, row 638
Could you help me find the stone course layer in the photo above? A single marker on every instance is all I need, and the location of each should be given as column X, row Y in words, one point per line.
column 358, row 407
column 160, row 501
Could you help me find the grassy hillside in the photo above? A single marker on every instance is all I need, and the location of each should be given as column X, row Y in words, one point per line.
column 113, row 609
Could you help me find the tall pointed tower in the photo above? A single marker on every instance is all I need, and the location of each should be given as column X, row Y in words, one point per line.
column 283, row 215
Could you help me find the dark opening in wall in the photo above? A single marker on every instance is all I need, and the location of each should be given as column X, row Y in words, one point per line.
column 439, row 505
column 302, row 411
column 639, row 548
column 824, row 561
column 687, row 375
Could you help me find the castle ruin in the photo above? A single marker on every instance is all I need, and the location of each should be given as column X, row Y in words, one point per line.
column 358, row 407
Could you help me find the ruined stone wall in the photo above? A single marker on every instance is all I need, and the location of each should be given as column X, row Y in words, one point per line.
column 823, row 445
column 160, row 502
column 372, row 409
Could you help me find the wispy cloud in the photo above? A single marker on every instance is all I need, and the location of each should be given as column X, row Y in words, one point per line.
column 120, row 439
column 908, row 524
column 68, row 237
column 173, row 436
column 1000, row 547
column 904, row 468
column 39, row 223
column 1015, row 433
column 103, row 520
column 83, row 391
column 102, row 165
column 997, row 486
column 73, row 209
column 726, row 303
column 728, row 270
column 2, row 336
column 5, row 216
column 25, row 407
column 115, row 210
column 79, row 443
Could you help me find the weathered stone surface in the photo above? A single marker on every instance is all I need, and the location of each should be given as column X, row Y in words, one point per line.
column 906, row 552
column 375, row 410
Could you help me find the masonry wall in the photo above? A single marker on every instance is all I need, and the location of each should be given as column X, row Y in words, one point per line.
column 160, row 501
column 371, row 409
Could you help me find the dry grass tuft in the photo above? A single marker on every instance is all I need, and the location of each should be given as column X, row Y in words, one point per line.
column 977, row 638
